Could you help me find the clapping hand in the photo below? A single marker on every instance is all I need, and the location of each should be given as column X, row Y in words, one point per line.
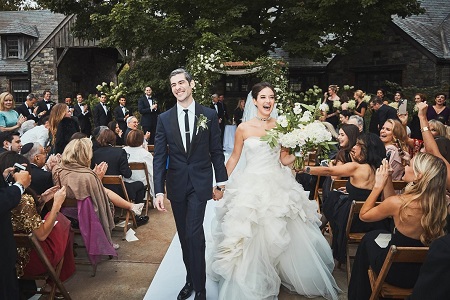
column 52, row 161
column 100, row 169
column 423, row 107
column 382, row 174
column 59, row 197
column 49, row 194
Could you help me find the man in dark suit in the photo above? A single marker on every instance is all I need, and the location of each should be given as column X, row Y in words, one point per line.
column 218, row 107
column 121, row 113
column 36, row 155
column 9, row 198
column 82, row 112
column 383, row 112
column 192, row 134
column 45, row 105
column 102, row 113
column 28, row 109
column 148, row 108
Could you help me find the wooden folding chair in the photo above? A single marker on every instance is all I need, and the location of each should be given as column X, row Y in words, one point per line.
column 118, row 180
column 143, row 166
column 151, row 148
column 395, row 255
column 31, row 242
column 399, row 184
column 353, row 237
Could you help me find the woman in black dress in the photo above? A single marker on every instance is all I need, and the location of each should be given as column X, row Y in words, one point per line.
column 366, row 157
column 419, row 216
column 239, row 112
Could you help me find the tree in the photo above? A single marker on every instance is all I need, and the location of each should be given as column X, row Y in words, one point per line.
column 13, row 5
column 167, row 32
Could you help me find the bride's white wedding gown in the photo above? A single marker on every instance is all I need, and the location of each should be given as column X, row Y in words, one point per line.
column 266, row 233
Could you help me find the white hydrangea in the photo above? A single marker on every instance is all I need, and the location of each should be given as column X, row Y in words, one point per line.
column 324, row 107
column 318, row 133
column 306, row 117
column 282, row 120
column 297, row 109
column 336, row 103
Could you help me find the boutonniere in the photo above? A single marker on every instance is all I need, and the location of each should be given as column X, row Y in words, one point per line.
column 202, row 123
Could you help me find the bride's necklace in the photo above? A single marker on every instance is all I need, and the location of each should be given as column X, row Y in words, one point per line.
column 264, row 119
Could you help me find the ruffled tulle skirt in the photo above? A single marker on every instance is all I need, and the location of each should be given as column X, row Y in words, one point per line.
column 266, row 233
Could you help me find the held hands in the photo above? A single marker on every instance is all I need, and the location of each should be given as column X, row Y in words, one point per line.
column 158, row 203
column 382, row 174
column 217, row 195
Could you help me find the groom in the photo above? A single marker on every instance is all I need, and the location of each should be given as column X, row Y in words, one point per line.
column 189, row 133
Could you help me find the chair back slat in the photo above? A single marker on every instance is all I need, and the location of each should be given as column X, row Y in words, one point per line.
column 399, row 184
column 338, row 183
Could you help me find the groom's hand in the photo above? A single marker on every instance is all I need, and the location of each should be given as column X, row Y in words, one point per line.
column 159, row 203
column 217, row 195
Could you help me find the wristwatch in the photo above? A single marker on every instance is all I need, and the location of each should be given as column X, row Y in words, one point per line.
column 423, row 129
column 220, row 189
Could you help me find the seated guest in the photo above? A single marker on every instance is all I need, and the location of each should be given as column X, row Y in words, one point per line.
column 114, row 126
column 27, row 125
column 419, row 216
column 366, row 156
column 10, row 141
column 132, row 124
column 36, row 155
column 137, row 153
column 437, row 128
column 83, row 183
column 117, row 161
column 435, row 271
column 344, row 116
column 54, row 235
column 95, row 133
column 394, row 137
column 37, row 134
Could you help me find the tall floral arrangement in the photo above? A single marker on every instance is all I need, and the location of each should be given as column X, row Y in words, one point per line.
column 297, row 130
column 203, row 66
column 112, row 91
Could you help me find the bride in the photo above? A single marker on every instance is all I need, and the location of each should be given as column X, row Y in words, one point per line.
column 266, row 231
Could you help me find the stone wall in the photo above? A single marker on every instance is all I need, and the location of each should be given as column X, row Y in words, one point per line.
column 4, row 84
column 43, row 73
column 393, row 54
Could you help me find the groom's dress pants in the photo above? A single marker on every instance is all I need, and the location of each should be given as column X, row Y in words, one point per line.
column 189, row 214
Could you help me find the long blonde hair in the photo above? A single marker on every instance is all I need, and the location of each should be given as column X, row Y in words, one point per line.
column 78, row 151
column 429, row 192
column 57, row 113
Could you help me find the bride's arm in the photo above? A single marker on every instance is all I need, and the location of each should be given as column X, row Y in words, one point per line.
column 237, row 150
column 285, row 157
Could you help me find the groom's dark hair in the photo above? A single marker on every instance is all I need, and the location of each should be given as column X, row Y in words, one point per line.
column 187, row 75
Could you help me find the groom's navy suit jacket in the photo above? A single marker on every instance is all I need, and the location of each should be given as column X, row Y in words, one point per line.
column 196, row 165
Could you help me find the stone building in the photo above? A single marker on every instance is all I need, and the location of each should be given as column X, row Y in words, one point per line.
column 413, row 52
column 39, row 52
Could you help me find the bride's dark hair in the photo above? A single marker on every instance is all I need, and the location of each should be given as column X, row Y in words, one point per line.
column 259, row 87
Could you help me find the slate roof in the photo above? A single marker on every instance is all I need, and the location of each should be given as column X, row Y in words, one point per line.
column 36, row 23
column 431, row 29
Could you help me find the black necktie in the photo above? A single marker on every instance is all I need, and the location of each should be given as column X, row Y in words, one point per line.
column 186, row 128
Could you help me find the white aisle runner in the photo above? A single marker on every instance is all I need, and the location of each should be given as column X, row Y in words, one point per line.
column 171, row 275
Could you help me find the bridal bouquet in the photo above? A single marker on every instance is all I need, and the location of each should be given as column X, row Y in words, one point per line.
column 298, row 131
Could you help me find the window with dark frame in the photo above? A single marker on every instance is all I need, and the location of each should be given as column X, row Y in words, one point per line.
column 20, row 90
column 12, row 47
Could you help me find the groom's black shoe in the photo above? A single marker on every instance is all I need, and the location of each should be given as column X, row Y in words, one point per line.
column 186, row 291
column 200, row 295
